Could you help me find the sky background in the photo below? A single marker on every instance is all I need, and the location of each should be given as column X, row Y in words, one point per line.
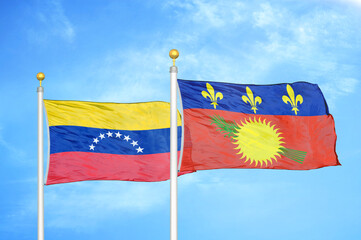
column 117, row 51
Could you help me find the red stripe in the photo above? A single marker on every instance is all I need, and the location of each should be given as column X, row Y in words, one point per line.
column 81, row 166
column 207, row 148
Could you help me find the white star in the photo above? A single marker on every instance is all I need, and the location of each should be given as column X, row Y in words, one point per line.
column 109, row 134
column 134, row 143
column 126, row 138
column 96, row 140
column 117, row 135
column 139, row 149
column 101, row 136
column 92, row 147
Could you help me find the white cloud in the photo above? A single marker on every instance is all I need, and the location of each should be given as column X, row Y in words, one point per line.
column 214, row 186
column 11, row 149
column 304, row 41
column 356, row 3
column 348, row 85
column 83, row 205
column 135, row 75
column 53, row 22
column 313, row 43
column 267, row 16
column 210, row 13
column 338, row 87
column 249, row 44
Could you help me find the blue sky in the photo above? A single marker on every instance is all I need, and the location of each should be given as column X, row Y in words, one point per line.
column 118, row 51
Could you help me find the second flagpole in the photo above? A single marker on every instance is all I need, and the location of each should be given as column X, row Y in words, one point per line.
column 173, row 148
column 40, row 76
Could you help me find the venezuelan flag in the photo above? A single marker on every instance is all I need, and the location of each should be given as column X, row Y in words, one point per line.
column 280, row 126
column 108, row 141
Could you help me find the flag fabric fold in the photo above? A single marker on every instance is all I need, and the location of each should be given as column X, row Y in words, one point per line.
column 108, row 141
column 280, row 126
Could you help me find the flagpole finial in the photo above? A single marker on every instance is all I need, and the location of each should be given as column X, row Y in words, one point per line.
column 40, row 76
column 173, row 54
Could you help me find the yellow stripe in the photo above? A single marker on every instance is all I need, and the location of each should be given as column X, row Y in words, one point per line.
column 121, row 116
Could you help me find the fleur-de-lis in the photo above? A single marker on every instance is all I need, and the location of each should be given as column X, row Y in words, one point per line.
column 291, row 99
column 211, row 96
column 251, row 100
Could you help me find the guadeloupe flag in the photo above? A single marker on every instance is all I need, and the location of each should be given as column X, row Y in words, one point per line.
column 281, row 126
column 108, row 141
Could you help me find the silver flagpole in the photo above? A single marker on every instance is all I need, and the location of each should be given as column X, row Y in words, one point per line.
column 173, row 148
column 40, row 76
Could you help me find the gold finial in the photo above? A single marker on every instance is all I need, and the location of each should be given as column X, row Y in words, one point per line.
column 40, row 76
column 173, row 54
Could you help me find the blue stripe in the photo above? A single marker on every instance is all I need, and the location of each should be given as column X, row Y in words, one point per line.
column 79, row 139
column 314, row 103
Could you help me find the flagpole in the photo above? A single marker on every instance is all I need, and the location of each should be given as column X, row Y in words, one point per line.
column 40, row 76
column 173, row 148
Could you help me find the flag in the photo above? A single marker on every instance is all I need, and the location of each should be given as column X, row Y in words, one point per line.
column 108, row 141
column 280, row 126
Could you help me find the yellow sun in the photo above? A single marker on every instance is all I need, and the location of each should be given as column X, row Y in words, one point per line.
column 258, row 141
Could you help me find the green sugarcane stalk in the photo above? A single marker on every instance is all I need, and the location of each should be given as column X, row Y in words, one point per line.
column 227, row 128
